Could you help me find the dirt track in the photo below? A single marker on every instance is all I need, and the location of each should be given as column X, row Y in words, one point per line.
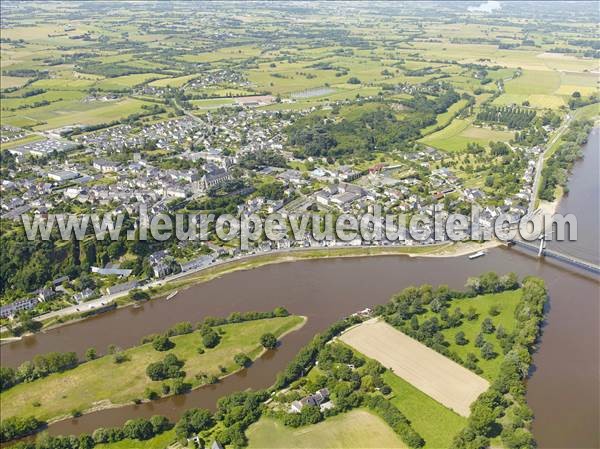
column 434, row 374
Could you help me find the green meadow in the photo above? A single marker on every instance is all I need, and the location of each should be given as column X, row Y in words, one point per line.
column 103, row 382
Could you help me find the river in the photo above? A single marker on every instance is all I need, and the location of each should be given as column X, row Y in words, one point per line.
column 563, row 390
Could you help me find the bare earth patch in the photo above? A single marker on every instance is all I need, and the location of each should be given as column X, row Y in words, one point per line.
column 434, row 374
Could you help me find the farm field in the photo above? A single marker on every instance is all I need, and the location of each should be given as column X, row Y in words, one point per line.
column 63, row 113
column 212, row 103
column 445, row 118
column 12, row 81
column 434, row 422
column 127, row 81
column 172, row 82
column 357, row 429
column 49, row 96
column 460, row 132
column 228, row 53
column 439, row 377
column 102, row 381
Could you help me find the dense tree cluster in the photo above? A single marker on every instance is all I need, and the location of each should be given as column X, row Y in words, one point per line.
column 306, row 357
column 41, row 366
column 182, row 328
column 136, row 429
column 502, row 410
column 162, row 343
column 577, row 101
column 404, row 308
column 16, row 427
column 395, row 419
column 210, row 337
column 237, row 412
column 193, row 421
column 230, row 187
column 369, row 130
column 238, row 317
column 271, row 191
column 169, row 368
column 262, row 158
column 27, row 265
column 268, row 340
column 242, row 360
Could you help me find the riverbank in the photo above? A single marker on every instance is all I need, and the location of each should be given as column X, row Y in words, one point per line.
column 162, row 288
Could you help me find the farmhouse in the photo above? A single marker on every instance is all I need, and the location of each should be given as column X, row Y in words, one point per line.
column 317, row 400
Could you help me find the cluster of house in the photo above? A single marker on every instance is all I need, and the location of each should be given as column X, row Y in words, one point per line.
column 20, row 196
column 216, row 77
column 342, row 195
column 100, row 96
column 139, row 182
column 198, row 442
column 259, row 204
column 40, row 295
column 41, row 148
column 115, row 138
column 151, row 91
column 319, row 399
column 11, row 133
column 162, row 135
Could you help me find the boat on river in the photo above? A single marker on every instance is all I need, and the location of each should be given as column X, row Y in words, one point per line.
column 172, row 295
column 477, row 255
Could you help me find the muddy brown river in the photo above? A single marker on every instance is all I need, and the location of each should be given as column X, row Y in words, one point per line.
column 563, row 390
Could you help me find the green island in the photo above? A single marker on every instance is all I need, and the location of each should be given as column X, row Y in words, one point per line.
column 500, row 417
column 103, row 383
column 489, row 329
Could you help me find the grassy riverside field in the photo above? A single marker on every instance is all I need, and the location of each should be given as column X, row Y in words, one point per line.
column 102, row 382
column 434, row 422
column 356, row 429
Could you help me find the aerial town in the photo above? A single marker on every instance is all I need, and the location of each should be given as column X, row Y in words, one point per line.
column 115, row 114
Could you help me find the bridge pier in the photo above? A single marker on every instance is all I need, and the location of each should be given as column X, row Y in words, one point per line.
column 542, row 247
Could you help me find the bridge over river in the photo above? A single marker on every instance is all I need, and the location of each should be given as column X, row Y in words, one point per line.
column 544, row 252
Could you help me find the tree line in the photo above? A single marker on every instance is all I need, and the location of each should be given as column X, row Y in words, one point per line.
column 511, row 116
column 556, row 171
column 502, row 410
